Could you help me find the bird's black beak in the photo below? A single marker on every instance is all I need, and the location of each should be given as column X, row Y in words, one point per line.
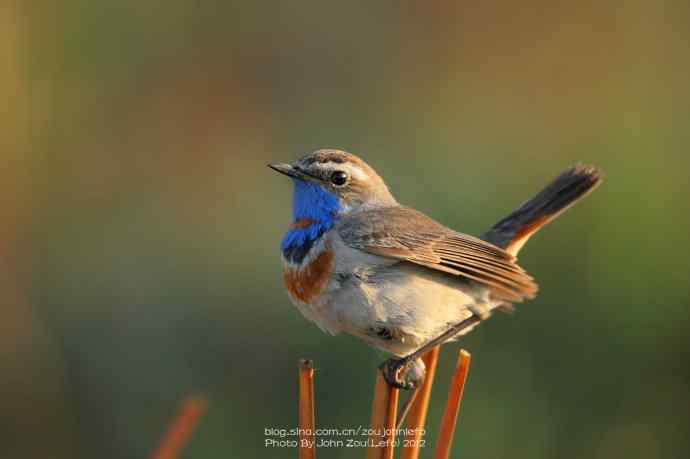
column 289, row 170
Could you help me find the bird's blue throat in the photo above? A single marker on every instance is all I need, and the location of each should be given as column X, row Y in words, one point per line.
column 314, row 210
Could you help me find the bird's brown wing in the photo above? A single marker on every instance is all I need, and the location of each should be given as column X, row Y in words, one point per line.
column 406, row 234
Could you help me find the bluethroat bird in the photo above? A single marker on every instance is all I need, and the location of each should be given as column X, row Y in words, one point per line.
column 358, row 262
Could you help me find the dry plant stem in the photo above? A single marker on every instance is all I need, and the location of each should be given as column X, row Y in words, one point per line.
column 452, row 410
column 383, row 412
column 307, row 448
column 181, row 429
column 417, row 415
column 407, row 406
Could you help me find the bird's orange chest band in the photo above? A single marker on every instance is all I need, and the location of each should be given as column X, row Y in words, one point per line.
column 304, row 283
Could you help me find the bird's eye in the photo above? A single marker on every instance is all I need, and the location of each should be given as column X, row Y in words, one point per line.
column 339, row 178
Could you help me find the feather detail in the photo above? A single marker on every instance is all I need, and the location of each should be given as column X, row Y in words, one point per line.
column 409, row 235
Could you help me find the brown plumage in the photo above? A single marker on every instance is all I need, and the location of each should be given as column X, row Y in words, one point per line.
column 305, row 282
column 409, row 235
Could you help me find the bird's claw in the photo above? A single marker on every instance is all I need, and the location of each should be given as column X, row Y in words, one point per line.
column 397, row 373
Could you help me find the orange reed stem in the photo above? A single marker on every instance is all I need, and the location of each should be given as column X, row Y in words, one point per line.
column 181, row 429
column 383, row 419
column 452, row 410
column 307, row 448
column 418, row 411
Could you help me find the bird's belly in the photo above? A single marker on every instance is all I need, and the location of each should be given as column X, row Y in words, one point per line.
column 399, row 308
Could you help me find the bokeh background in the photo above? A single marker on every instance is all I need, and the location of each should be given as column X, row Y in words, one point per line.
column 140, row 226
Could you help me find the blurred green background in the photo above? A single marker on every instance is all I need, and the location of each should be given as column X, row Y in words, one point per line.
column 140, row 231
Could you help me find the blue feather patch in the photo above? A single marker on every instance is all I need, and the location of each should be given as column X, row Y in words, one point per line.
column 310, row 202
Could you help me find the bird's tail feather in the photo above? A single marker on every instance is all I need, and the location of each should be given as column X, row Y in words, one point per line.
column 573, row 184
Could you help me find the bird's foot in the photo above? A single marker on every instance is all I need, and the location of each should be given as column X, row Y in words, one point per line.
column 403, row 373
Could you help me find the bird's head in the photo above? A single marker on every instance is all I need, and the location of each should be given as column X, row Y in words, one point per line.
column 333, row 182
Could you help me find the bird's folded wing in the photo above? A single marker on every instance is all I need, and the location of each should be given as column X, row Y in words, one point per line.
column 409, row 235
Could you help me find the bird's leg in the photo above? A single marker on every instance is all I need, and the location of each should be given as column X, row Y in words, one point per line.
column 393, row 368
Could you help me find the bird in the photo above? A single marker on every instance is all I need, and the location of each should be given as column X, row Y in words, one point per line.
column 356, row 261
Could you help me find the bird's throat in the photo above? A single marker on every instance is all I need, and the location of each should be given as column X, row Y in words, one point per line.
column 314, row 211
column 312, row 201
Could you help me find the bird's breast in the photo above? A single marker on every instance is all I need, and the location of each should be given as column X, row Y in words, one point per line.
column 306, row 281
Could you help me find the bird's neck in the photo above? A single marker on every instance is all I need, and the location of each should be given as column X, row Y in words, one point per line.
column 314, row 211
